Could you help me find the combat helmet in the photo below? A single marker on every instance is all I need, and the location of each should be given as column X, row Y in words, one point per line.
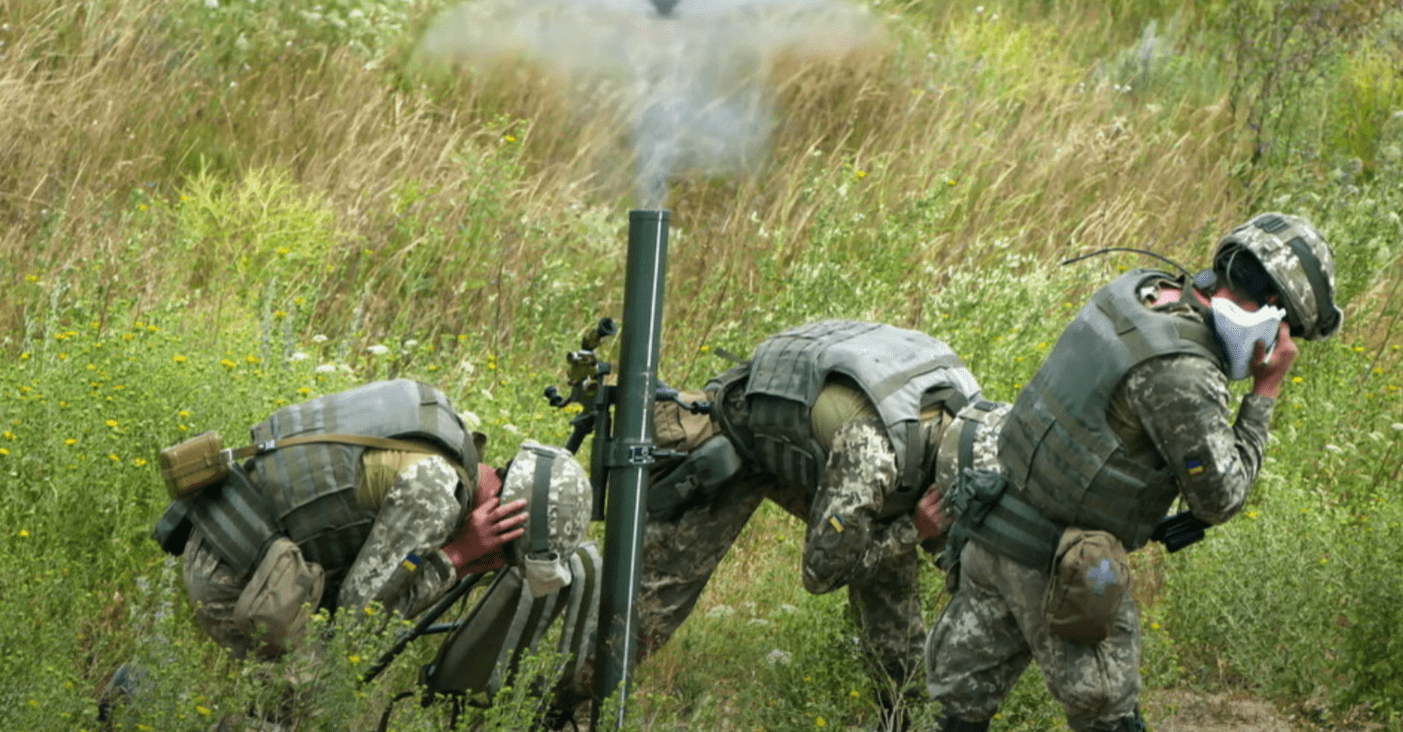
column 1299, row 264
column 558, row 499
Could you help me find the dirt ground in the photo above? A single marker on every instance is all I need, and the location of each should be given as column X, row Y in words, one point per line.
column 1188, row 711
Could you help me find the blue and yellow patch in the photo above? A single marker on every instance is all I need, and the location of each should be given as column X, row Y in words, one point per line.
column 1195, row 467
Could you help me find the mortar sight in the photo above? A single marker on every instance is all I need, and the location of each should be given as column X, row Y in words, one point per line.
column 595, row 334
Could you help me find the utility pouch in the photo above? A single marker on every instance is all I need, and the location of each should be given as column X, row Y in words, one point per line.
column 1090, row 576
column 194, row 465
column 279, row 598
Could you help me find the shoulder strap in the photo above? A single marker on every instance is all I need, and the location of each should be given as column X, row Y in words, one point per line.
column 379, row 443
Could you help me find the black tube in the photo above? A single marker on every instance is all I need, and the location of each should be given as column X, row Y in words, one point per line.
column 631, row 454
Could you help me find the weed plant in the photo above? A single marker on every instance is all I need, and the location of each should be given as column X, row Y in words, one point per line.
column 213, row 209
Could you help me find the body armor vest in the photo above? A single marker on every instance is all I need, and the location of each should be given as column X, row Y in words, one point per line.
column 900, row 371
column 307, row 492
column 1057, row 449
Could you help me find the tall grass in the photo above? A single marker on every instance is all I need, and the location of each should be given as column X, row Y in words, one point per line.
column 213, row 209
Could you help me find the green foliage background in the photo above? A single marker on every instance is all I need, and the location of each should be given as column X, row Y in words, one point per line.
column 211, row 209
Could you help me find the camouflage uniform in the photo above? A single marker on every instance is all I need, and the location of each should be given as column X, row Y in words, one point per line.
column 845, row 544
column 419, row 511
column 1168, row 411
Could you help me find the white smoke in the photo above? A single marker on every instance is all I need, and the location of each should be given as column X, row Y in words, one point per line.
column 691, row 84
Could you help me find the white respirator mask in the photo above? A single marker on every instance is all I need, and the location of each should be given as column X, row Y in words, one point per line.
column 1239, row 330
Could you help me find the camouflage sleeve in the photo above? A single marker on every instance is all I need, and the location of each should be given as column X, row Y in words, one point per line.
column 419, row 515
column 845, row 540
column 1182, row 402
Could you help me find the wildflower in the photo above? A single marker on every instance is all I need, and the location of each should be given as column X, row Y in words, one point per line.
column 326, row 368
column 304, row 391
column 859, row 174
column 4, row 452
column 280, row 314
column 70, row 441
column 31, row 278
column 510, row 138
column 319, row 338
column 227, row 363
column 139, row 462
column 1297, row 379
column 378, row 349
column 183, row 414
column 10, row 435
column 113, row 458
column 284, row 251
column 854, row 693
column 111, row 423
column 1333, row 448
column 1154, row 626
column 203, row 711
column 1396, row 426
column 299, row 301
column 820, row 722
column 24, row 533
column 299, row 356
column 353, row 658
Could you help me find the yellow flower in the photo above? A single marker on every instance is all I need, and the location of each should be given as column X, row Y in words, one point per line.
column 204, row 711
column 31, row 278
column 182, row 427
column 299, row 301
column 252, row 359
column 70, row 441
column 284, row 251
column 180, row 359
column 4, row 451
column 152, row 328
column 353, row 658
column 854, row 693
column 280, row 314
column 8, row 435
column 1154, row 626
column 24, row 532
column 820, row 722
column 139, row 462
column 1297, row 379
column 111, row 423
column 182, row 414
column 510, row 138
column 860, row 174
column 227, row 363
column 304, row 390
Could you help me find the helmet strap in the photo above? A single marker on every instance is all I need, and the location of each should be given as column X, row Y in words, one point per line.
column 540, row 500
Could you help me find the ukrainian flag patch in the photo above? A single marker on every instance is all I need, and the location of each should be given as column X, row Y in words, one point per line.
column 1195, row 467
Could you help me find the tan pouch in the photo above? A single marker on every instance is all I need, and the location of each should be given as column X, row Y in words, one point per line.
column 194, row 465
column 677, row 428
column 1090, row 576
column 275, row 605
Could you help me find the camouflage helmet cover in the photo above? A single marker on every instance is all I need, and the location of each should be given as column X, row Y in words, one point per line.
column 1300, row 264
column 558, row 499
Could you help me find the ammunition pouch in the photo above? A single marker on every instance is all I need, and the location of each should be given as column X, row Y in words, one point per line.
column 279, row 598
column 699, row 474
column 1090, row 577
column 194, row 465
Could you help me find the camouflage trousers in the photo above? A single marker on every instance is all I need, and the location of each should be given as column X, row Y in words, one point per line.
column 994, row 625
column 681, row 553
column 418, row 515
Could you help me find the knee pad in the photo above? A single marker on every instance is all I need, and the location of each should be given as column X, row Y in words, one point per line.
column 700, row 473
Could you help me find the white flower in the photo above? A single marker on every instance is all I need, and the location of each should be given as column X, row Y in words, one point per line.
column 410, row 344
column 299, row 356
column 1334, row 448
column 758, row 621
column 1397, row 426
column 470, row 420
column 326, row 368
column 212, row 4
column 787, row 609
column 721, row 611
column 778, row 658
column 319, row 338
column 378, row 349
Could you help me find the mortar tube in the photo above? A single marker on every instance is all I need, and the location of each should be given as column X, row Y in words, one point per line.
column 631, row 456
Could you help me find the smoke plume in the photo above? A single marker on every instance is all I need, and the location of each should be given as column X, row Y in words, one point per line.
column 688, row 76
